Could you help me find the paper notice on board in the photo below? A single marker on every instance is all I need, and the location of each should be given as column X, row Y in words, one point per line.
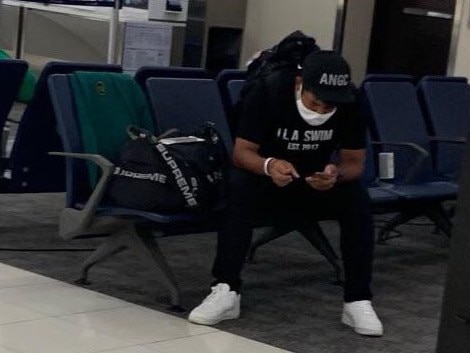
column 146, row 44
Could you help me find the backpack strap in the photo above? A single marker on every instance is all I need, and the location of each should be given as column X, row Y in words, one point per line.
column 136, row 132
column 180, row 179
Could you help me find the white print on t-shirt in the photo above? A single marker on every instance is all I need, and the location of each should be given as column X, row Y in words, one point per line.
column 297, row 141
column 318, row 135
column 308, row 135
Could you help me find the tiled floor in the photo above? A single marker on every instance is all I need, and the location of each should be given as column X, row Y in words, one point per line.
column 42, row 315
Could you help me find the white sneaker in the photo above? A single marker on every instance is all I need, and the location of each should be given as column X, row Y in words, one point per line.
column 361, row 316
column 221, row 304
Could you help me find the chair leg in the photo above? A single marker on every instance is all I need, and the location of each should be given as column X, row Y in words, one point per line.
column 316, row 237
column 441, row 218
column 146, row 246
column 400, row 218
column 268, row 235
column 113, row 245
column 449, row 213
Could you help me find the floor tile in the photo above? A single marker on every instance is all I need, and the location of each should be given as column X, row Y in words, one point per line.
column 138, row 324
column 10, row 313
column 14, row 277
column 133, row 349
column 55, row 336
column 218, row 342
column 88, row 322
column 4, row 350
column 54, row 299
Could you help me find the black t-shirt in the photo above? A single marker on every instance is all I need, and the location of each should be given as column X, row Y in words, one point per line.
column 270, row 119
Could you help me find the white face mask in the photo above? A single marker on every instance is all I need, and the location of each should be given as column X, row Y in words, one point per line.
column 311, row 117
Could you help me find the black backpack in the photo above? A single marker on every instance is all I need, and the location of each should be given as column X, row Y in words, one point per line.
column 284, row 57
column 172, row 172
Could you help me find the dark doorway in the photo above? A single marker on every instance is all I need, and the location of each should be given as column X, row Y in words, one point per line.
column 411, row 37
column 223, row 48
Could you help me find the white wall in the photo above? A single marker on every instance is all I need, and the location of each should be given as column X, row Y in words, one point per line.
column 52, row 36
column 462, row 62
column 8, row 25
column 356, row 38
column 79, row 39
column 268, row 21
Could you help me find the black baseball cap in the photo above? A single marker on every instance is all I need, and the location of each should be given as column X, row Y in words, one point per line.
column 327, row 75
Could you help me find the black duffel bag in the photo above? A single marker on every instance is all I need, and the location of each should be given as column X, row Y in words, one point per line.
column 172, row 172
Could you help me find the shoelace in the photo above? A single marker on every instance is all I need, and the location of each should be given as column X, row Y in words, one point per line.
column 214, row 294
column 366, row 309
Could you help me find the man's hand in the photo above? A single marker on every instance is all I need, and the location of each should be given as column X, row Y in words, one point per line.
column 282, row 172
column 325, row 180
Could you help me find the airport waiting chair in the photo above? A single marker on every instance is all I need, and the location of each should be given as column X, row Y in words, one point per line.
column 87, row 213
column 398, row 125
column 234, row 90
column 223, row 78
column 12, row 73
column 146, row 72
column 185, row 103
column 445, row 103
column 172, row 99
column 30, row 167
column 388, row 78
column 229, row 93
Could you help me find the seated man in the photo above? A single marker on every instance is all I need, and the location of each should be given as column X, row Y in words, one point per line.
column 290, row 128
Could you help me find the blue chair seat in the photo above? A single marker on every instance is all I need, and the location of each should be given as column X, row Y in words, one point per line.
column 146, row 215
column 379, row 195
column 426, row 191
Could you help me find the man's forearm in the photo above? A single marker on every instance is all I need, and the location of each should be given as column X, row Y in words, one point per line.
column 351, row 164
column 350, row 171
column 250, row 161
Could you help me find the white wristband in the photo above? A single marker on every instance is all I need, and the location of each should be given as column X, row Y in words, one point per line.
column 266, row 164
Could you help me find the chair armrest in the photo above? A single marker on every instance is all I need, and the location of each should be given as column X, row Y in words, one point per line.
column 78, row 221
column 449, row 140
column 13, row 121
column 422, row 156
column 411, row 145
